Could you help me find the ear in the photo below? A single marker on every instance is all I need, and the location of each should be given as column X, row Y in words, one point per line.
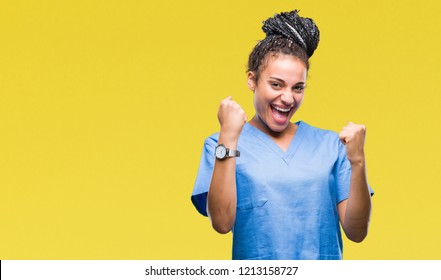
column 250, row 80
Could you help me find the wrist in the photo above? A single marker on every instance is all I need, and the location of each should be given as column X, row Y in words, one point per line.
column 358, row 163
column 228, row 139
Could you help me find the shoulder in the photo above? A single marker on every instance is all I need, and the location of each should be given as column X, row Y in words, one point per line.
column 316, row 132
column 324, row 140
column 212, row 139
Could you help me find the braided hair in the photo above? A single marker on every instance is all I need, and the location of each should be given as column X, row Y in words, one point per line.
column 286, row 33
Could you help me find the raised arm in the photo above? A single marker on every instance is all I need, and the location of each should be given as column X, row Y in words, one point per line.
column 354, row 212
column 221, row 200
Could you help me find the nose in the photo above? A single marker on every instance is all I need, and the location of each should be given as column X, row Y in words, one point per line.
column 287, row 98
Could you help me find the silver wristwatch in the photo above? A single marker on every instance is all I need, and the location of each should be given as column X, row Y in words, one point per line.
column 223, row 152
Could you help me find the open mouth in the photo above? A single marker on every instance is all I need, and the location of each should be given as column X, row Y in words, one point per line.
column 280, row 109
column 281, row 114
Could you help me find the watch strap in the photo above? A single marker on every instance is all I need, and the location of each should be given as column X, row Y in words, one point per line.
column 233, row 153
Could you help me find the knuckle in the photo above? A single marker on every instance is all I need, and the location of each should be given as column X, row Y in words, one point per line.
column 361, row 128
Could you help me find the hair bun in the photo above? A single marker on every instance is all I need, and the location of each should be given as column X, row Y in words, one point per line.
column 303, row 31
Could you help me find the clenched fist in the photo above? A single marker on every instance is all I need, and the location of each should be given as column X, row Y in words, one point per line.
column 352, row 136
column 231, row 117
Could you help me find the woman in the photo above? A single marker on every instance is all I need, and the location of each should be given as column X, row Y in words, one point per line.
column 283, row 188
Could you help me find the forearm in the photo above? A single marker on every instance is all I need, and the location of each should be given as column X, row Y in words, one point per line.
column 358, row 207
column 222, row 194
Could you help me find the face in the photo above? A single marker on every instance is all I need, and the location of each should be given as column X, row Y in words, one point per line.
column 278, row 93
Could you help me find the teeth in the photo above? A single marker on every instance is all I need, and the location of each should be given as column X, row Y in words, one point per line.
column 281, row 109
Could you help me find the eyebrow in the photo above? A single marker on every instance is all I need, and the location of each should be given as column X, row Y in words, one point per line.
column 282, row 81
column 278, row 79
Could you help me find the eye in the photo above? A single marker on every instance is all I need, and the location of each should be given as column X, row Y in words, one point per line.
column 299, row 88
column 276, row 85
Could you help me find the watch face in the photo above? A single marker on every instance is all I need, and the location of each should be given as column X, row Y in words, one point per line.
column 221, row 151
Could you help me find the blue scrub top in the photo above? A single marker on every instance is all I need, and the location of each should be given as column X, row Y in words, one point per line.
column 286, row 201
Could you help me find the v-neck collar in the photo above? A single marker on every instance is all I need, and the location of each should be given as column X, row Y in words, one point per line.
column 267, row 140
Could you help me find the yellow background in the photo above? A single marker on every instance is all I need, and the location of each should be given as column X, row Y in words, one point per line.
column 104, row 107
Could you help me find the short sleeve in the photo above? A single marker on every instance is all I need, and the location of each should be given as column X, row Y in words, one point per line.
column 203, row 178
column 343, row 174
